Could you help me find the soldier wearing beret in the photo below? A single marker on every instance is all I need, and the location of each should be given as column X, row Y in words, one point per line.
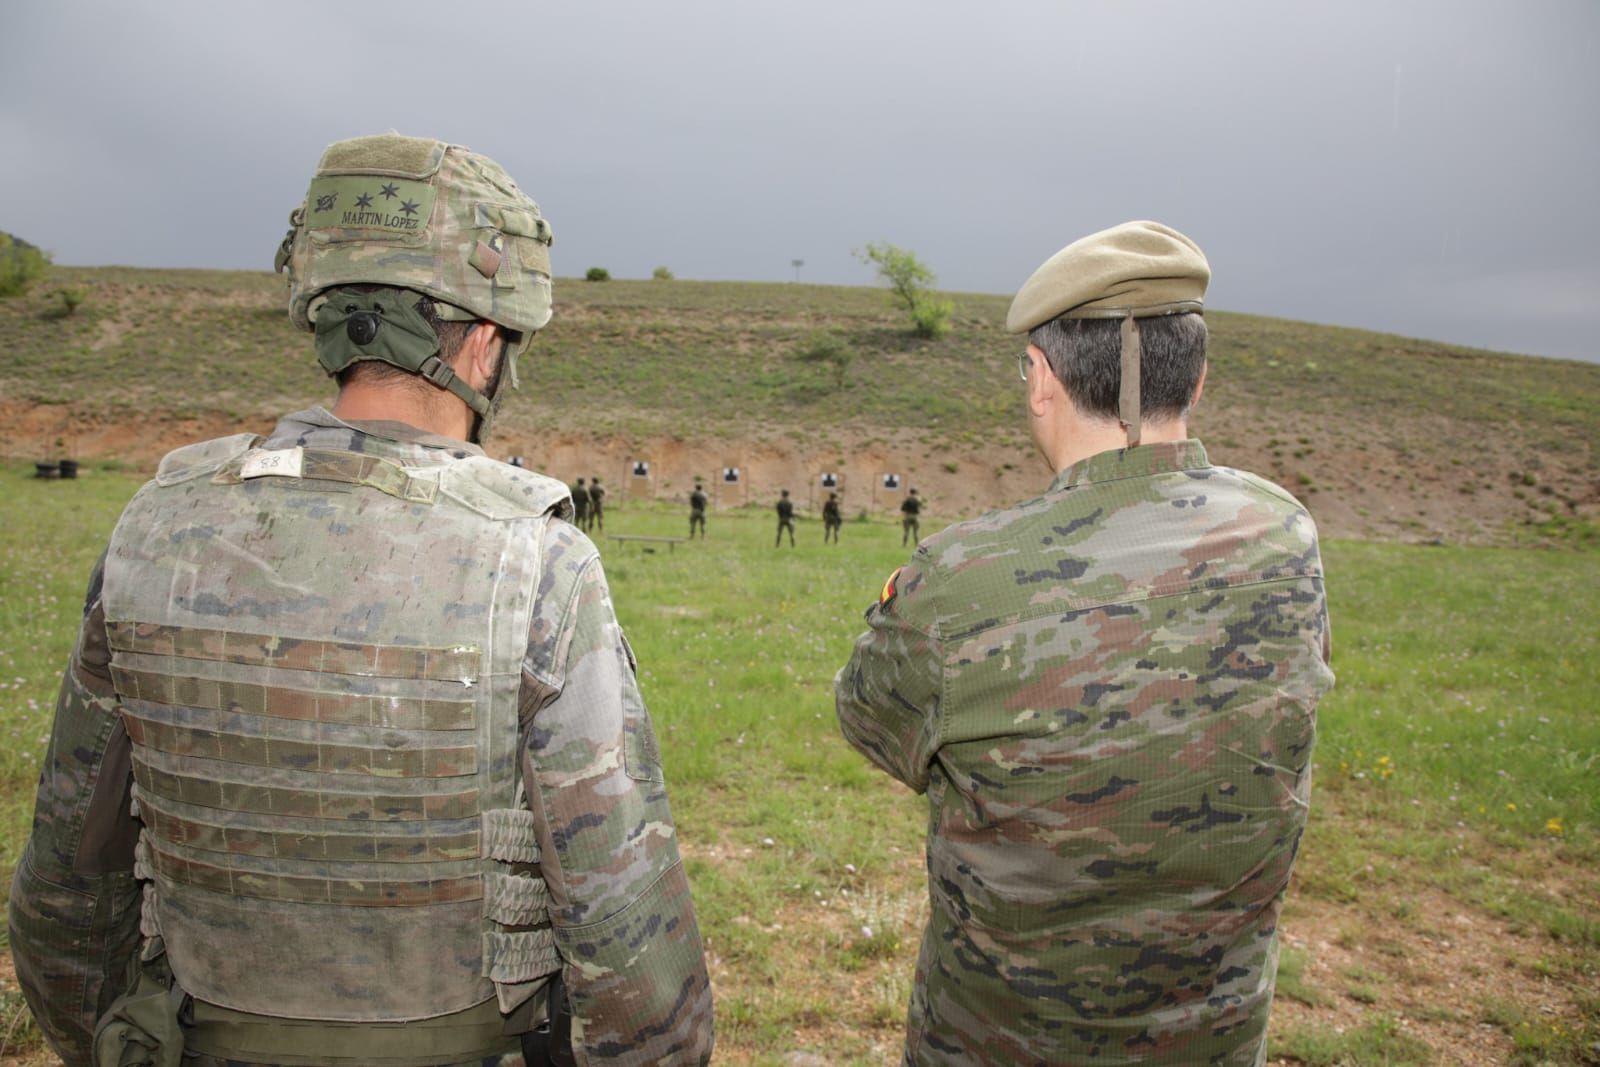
column 350, row 763
column 1107, row 694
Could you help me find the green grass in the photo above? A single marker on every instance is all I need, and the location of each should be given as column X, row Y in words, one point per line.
column 1463, row 721
column 1379, row 1043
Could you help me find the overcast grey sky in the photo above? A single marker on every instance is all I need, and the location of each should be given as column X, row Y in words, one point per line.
column 1425, row 167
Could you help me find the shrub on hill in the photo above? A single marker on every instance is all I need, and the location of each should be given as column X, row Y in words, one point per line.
column 909, row 280
column 827, row 348
column 21, row 264
column 662, row 274
column 597, row 274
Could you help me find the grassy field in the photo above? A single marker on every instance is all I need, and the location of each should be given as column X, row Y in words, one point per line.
column 1446, row 908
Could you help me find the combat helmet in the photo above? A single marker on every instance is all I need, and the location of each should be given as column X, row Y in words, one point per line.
column 417, row 214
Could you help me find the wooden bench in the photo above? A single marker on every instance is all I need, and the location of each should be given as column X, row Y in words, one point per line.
column 670, row 542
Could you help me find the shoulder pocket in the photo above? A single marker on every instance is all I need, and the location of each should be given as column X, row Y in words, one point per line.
column 640, row 751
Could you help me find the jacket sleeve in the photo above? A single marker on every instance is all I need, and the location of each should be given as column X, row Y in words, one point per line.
column 633, row 962
column 888, row 696
column 74, row 910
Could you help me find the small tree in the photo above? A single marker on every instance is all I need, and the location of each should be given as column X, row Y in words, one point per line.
column 827, row 348
column 71, row 296
column 21, row 264
column 662, row 274
column 909, row 281
column 597, row 274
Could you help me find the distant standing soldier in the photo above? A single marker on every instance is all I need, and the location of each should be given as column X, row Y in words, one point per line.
column 580, row 506
column 697, row 511
column 832, row 518
column 910, row 508
column 785, row 519
column 597, row 513
column 1108, row 695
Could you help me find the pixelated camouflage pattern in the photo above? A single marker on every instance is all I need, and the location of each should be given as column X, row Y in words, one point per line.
column 622, row 919
column 415, row 213
column 74, row 909
column 325, row 739
column 1108, row 695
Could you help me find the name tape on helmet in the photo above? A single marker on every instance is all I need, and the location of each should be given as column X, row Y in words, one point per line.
column 370, row 204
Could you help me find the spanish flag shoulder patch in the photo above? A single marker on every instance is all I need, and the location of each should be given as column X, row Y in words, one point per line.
column 888, row 588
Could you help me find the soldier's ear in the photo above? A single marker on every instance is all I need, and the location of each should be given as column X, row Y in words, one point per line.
column 480, row 352
column 1044, row 391
column 1199, row 387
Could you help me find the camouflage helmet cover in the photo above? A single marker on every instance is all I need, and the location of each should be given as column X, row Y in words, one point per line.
column 416, row 213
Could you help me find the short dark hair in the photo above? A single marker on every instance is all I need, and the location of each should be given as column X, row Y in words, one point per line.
column 1086, row 356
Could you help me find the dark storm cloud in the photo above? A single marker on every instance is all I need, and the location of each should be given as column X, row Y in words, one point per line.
column 1425, row 168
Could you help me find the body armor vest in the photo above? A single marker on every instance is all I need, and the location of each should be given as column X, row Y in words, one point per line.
column 318, row 655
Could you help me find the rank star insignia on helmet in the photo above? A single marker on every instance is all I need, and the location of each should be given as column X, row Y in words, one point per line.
column 409, row 207
column 364, row 200
column 389, row 192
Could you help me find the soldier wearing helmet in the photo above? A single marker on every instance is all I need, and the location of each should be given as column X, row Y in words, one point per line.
column 1108, row 695
column 350, row 763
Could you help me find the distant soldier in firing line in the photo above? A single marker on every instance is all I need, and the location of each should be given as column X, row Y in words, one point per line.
column 1107, row 694
column 910, row 526
column 580, row 506
column 832, row 519
column 785, row 519
column 697, row 511
column 597, row 511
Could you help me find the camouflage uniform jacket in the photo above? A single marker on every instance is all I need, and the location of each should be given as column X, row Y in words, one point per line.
column 1108, row 695
column 623, row 920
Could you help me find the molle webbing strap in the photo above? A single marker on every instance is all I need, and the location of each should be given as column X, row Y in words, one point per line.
column 368, row 888
column 464, row 1036
column 289, row 702
column 508, row 836
column 520, row 956
column 515, row 899
column 352, row 468
column 228, row 737
column 198, row 783
column 209, row 831
column 364, row 756
column 453, row 664
column 1128, row 390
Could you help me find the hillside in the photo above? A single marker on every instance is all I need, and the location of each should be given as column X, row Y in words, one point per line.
column 1383, row 436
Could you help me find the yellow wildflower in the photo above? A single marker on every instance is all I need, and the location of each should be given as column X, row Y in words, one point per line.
column 1553, row 825
column 1511, row 807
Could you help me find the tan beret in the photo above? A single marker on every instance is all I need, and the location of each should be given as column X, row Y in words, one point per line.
column 1139, row 269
